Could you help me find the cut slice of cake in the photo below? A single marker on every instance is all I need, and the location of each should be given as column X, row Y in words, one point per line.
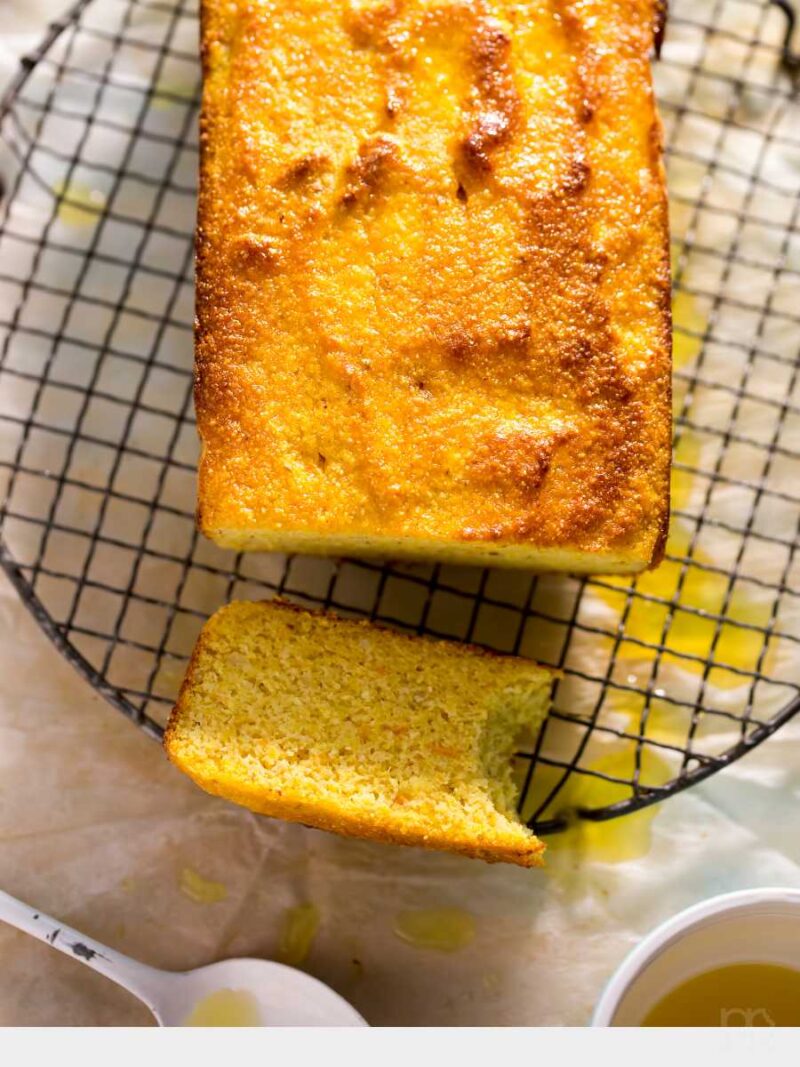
column 345, row 726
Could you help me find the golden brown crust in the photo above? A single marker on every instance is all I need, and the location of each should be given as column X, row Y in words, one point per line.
column 296, row 811
column 497, row 107
column 312, row 814
column 433, row 279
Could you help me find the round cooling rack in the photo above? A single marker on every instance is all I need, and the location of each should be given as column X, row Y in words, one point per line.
column 666, row 678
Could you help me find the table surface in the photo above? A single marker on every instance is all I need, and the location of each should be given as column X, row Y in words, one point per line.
column 97, row 828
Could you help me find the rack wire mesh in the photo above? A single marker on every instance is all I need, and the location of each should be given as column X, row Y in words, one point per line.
column 666, row 678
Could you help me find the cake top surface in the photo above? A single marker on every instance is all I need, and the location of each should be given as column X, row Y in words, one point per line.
column 433, row 273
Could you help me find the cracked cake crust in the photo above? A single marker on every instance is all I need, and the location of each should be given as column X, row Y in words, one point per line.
column 433, row 281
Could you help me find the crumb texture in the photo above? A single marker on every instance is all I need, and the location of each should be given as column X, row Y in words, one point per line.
column 349, row 727
column 433, row 281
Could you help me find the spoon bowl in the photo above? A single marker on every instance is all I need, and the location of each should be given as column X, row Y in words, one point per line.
column 250, row 992
column 241, row 992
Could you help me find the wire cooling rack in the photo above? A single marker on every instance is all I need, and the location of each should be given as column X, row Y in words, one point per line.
column 666, row 678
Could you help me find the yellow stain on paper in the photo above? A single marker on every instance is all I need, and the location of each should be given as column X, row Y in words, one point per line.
column 689, row 325
column 169, row 92
column 300, row 925
column 686, row 316
column 617, row 840
column 226, row 1007
column 442, row 929
column 199, row 889
column 79, row 204
column 687, row 452
column 666, row 723
column 689, row 634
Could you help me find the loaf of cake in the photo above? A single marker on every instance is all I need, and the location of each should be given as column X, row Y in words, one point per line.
column 433, row 281
column 345, row 726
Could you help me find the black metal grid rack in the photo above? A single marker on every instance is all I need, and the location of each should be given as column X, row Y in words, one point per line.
column 666, row 679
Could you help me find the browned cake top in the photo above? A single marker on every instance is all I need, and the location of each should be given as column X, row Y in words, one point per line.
column 433, row 283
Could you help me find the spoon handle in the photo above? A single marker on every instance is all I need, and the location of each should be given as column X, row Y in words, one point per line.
column 146, row 983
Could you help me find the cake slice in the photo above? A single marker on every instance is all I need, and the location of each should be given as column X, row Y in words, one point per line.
column 345, row 726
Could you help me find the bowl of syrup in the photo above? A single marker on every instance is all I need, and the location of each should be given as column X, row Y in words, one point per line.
column 733, row 960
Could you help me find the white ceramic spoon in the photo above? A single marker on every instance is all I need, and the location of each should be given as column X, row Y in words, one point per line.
column 242, row 992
